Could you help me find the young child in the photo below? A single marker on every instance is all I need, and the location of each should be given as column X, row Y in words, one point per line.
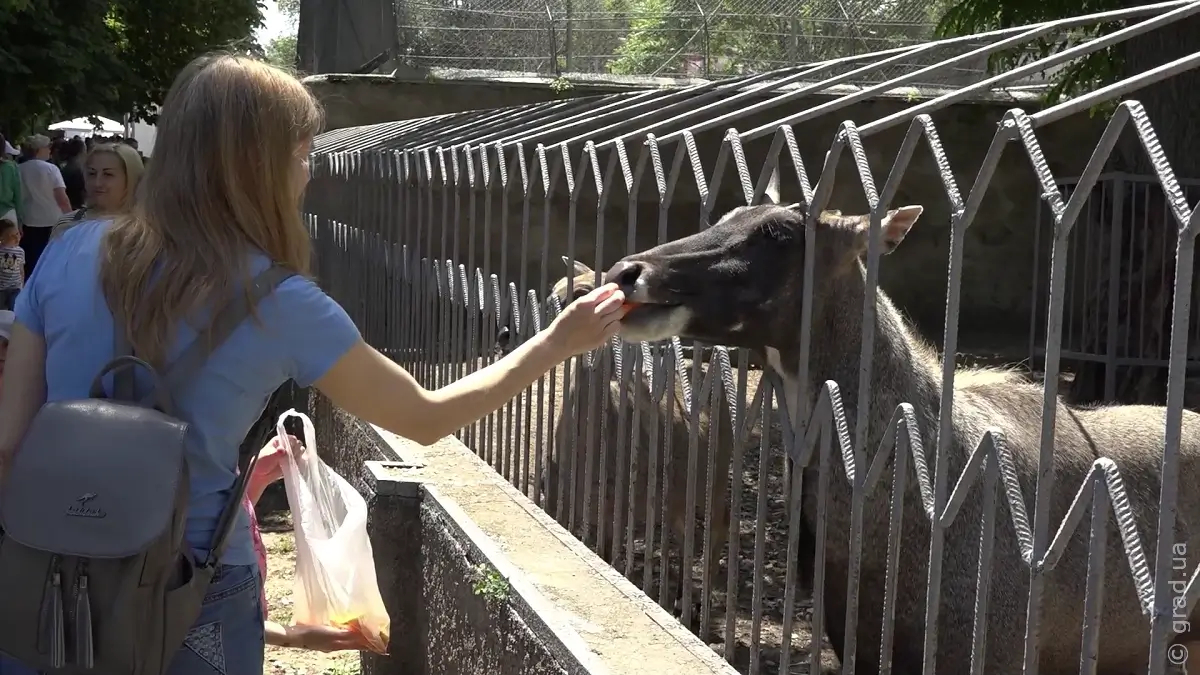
column 12, row 263
column 267, row 470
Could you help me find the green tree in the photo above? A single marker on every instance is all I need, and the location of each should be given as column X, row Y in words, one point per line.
column 289, row 8
column 740, row 37
column 281, row 52
column 65, row 58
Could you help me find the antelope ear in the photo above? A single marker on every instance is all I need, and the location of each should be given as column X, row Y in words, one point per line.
column 771, row 194
column 578, row 268
column 896, row 225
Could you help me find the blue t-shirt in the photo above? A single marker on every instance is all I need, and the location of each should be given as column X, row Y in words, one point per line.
column 302, row 333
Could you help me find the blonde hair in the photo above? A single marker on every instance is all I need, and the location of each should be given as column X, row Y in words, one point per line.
column 222, row 186
column 130, row 160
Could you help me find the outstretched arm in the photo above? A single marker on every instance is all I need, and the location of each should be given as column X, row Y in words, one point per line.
column 374, row 388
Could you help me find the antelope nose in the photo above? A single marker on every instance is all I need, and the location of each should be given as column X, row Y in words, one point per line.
column 625, row 274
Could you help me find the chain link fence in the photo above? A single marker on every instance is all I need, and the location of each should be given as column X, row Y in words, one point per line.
column 695, row 38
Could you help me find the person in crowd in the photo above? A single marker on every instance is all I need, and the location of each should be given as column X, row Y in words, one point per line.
column 223, row 203
column 10, row 183
column 267, row 470
column 44, row 198
column 72, row 171
column 133, row 143
column 58, row 147
column 111, row 176
column 12, row 263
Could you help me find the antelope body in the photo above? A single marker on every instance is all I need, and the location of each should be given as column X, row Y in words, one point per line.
column 740, row 283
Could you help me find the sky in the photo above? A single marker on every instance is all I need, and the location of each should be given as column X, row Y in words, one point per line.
column 275, row 23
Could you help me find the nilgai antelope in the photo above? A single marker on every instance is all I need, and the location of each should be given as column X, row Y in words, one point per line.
column 740, row 283
column 669, row 408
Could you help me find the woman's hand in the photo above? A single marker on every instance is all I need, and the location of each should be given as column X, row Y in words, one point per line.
column 589, row 321
column 325, row 638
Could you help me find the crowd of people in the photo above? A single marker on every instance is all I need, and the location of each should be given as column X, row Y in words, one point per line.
column 140, row 256
column 52, row 180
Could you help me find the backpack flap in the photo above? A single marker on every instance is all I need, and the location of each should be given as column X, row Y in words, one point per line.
column 116, row 499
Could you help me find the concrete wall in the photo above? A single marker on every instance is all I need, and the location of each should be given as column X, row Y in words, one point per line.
column 999, row 249
column 477, row 579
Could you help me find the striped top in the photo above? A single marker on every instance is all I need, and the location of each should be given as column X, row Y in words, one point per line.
column 12, row 268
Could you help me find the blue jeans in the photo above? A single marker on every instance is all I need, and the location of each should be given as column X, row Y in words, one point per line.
column 227, row 638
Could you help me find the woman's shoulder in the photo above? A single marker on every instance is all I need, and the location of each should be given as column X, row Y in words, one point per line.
column 312, row 325
column 77, row 223
column 296, row 292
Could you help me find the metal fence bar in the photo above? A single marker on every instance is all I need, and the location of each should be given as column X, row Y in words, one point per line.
column 634, row 446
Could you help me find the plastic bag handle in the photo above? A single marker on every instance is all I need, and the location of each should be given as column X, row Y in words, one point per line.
column 310, row 432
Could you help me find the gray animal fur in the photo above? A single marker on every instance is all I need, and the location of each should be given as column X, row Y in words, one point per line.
column 739, row 283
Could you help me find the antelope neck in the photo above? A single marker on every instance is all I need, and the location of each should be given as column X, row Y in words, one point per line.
column 898, row 373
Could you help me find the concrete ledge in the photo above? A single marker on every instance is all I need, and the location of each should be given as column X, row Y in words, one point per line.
column 587, row 615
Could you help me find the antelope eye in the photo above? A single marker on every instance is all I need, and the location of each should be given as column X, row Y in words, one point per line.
column 580, row 292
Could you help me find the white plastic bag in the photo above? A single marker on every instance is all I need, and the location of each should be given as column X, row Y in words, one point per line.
column 335, row 568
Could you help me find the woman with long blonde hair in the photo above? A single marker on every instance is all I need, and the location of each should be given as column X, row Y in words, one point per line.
column 222, row 203
column 111, row 174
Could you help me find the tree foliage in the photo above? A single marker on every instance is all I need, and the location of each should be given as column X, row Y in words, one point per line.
column 965, row 17
column 289, row 8
column 754, row 36
column 281, row 52
column 68, row 58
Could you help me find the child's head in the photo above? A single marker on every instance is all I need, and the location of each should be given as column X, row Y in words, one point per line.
column 6, row 322
column 10, row 234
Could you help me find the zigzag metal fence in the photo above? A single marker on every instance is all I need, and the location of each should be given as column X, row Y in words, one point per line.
column 416, row 224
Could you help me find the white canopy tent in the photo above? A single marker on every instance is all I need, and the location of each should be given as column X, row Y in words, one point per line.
column 81, row 127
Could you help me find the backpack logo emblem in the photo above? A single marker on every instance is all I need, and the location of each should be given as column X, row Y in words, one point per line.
column 80, row 508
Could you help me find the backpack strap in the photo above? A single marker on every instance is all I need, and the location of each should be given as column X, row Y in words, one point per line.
column 222, row 326
column 223, row 323
column 123, row 382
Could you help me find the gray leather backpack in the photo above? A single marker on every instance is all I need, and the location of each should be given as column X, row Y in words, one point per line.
column 95, row 576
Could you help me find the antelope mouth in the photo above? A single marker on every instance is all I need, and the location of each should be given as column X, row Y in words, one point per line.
column 650, row 321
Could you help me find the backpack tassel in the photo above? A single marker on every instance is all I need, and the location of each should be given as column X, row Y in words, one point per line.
column 83, row 626
column 54, row 611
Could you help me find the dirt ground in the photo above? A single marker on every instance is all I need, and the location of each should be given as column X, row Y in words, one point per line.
column 281, row 565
